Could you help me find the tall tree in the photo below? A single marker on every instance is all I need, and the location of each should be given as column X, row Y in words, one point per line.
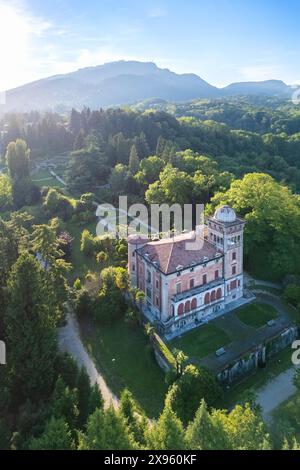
column 30, row 331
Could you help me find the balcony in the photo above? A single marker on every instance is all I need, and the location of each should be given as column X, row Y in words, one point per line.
column 197, row 290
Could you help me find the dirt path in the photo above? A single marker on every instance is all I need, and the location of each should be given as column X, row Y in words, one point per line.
column 276, row 392
column 70, row 341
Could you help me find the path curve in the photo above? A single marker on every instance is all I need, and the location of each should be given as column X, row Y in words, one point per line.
column 278, row 390
column 69, row 341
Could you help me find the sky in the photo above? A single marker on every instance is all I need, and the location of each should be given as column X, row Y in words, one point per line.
column 223, row 41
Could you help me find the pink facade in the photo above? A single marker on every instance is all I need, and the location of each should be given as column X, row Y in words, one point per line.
column 181, row 286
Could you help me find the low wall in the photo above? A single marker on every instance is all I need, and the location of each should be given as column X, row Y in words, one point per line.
column 258, row 357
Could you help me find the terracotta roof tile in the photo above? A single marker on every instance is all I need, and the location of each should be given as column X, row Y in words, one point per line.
column 171, row 253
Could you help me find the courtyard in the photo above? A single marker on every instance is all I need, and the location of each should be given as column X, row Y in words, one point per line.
column 237, row 332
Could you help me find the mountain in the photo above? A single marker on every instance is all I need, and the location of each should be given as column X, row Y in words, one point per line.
column 124, row 82
column 111, row 84
column 267, row 87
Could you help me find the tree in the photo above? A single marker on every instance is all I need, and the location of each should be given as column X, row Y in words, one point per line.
column 65, row 403
column 173, row 187
column 56, row 436
column 135, row 419
column 186, row 393
column 167, row 433
column 18, row 162
column 203, row 433
column 134, row 160
column 106, row 430
column 243, row 427
column 272, row 232
column 84, row 392
column 6, row 198
column 30, row 331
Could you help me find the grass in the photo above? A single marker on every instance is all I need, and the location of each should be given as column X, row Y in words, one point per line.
column 256, row 314
column 123, row 355
column 271, row 290
column 81, row 263
column 285, row 421
column 202, row 341
column 44, row 178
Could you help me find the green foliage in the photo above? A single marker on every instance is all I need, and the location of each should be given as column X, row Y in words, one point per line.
column 6, row 195
column 106, row 430
column 30, row 330
column 272, row 213
column 57, row 436
column 167, row 433
column 292, row 294
column 187, row 392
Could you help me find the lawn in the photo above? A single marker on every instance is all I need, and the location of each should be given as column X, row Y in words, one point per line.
column 285, row 421
column 125, row 359
column 256, row 314
column 44, row 178
column 202, row 341
column 81, row 263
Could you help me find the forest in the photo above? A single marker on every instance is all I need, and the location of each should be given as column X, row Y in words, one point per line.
column 242, row 152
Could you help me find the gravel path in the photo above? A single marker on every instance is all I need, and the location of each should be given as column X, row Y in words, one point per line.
column 70, row 341
column 276, row 392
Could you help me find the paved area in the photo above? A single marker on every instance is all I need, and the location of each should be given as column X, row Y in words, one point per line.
column 245, row 338
column 70, row 341
column 276, row 392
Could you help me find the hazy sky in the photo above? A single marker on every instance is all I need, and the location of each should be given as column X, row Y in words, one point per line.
column 220, row 40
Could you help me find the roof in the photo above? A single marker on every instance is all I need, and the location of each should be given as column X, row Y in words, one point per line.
column 172, row 253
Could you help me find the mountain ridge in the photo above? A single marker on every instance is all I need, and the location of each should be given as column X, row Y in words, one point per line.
column 126, row 82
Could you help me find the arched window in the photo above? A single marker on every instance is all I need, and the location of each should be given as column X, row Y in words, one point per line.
column 180, row 309
column 219, row 294
column 207, row 298
column 194, row 304
column 187, row 307
column 213, row 296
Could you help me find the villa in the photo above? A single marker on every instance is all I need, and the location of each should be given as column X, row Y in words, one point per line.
column 191, row 278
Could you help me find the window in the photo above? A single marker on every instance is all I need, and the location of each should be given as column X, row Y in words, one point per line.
column 234, row 256
column 194, row 304
column 187, row 307
column 233, row 285
column 149, row 293
column 207, row 298
column 219, row 294
column 133, row 267
column 156, row 301
column 233, row 270
column 133, row 254
column 204, row 279
column 213, row 296
column 192, row 283
column 178, row 288
column 148, row 276
column 217, row 274
column 180, row 309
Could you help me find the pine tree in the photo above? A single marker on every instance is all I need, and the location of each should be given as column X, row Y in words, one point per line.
column 134, row 161
column 56, row 436
column 65, row 403
column 30, row 331
column 134, row 417
column 167, row 433
column 203, row 434
column 106, row 430
column 79, row 143
column 95, row 400
column 84, row 392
